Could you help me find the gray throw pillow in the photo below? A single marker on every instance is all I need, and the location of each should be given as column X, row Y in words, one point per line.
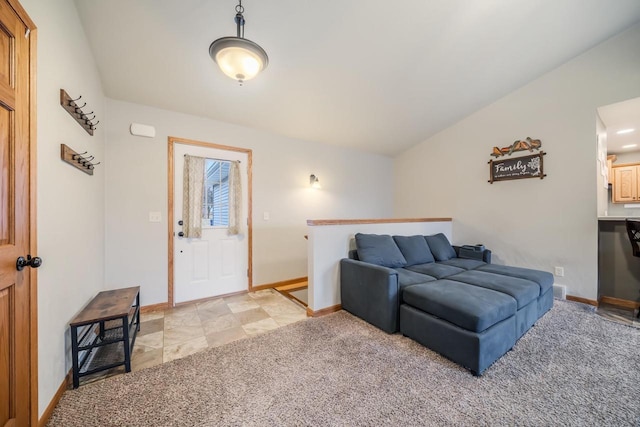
column 414, row 249
column 379, row 250
column 440, row 247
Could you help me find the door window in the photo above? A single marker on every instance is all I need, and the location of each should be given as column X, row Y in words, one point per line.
column 215, row 206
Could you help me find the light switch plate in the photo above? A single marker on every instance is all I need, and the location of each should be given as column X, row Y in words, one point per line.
column 265, row 216
column 155, row 216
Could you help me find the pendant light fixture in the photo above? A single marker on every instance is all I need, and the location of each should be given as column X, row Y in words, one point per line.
column 239, row 58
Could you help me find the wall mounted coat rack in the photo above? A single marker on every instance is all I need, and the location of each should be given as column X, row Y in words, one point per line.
column 82, row 161
column 73, row 107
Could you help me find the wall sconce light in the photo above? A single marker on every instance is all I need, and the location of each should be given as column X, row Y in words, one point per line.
column 314, row 181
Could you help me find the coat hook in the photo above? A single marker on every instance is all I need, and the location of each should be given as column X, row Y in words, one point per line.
column 85, row 164
column 72, row 102
column 75, row 109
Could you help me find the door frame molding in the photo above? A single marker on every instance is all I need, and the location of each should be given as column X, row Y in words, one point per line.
column 172, row 140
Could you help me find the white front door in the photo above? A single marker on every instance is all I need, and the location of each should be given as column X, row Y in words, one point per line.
column 217, row 263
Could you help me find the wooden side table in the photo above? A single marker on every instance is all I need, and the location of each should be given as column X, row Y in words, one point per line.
column 104, row 332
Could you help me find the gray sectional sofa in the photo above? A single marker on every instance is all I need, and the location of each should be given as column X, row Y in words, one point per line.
column 447, row 298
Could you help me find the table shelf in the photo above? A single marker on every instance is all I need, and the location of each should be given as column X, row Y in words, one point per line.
column 104, row 332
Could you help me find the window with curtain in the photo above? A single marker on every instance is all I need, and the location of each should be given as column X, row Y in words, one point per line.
column 215, row 204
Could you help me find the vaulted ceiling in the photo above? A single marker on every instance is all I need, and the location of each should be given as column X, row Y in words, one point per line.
column 376, row 75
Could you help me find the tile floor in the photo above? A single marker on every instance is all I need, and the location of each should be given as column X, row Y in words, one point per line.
column 184, row 330
column 617, row 314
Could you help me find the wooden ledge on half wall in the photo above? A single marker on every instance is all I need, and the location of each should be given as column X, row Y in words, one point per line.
column 373, row 221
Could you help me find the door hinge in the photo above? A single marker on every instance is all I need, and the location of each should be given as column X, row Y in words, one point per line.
column 247, row 272
column 26, row 33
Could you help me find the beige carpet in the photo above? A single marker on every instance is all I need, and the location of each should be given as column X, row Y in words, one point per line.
column 572, row 368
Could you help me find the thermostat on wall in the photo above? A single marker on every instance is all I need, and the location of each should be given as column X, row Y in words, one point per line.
column 142, row 130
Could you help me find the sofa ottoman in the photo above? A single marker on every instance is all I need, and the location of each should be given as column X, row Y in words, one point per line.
column 525, row 292
column 544, row 279
column 471, row 325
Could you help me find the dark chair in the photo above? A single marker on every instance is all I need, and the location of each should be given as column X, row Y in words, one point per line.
column 633, row 230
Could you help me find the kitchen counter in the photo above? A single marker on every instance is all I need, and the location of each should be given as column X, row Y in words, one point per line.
column 617, row 218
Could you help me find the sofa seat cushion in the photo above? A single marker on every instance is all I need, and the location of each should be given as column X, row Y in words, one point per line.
column 470, row 307
column 435, row 269
column 543, row 278
column 414, row 249
column 379, row 250
column 466, row 263
column 523, row 291
column 408, row 277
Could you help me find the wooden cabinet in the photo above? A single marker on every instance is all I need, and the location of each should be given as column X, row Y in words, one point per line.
column 625, row 183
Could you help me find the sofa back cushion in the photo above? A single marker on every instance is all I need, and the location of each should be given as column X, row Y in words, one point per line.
column 380, row 250
column 440, row 247
column 414, row 249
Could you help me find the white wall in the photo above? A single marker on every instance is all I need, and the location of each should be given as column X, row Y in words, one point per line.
column 532, row 223
column 602, row 192
column 70, row 202
column 354, row 185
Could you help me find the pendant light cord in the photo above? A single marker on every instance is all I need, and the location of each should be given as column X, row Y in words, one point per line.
column 240, row 19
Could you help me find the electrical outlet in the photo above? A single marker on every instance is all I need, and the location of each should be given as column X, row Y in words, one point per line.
column 559, row 271
column 155, row 217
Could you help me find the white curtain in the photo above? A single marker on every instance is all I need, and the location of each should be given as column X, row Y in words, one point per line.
column 192, row 193
column 235, row 199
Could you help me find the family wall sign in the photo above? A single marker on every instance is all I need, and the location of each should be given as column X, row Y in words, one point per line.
column 530, row 166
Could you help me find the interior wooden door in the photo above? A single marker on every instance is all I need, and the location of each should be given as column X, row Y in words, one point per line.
column 16, row 295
